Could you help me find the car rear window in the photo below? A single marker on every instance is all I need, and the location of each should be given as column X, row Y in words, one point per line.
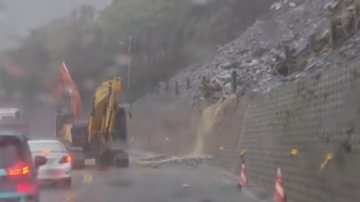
column 11, row 151
column 43, row 146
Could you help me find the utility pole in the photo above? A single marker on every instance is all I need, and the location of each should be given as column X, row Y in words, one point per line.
column 147, row 72
column 129, row 64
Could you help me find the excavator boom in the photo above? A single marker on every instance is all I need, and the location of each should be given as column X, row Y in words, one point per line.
column 105, row 106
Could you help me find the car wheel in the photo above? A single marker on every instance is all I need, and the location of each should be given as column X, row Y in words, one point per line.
column 65, row 183
column 78, row 164
column 35, row 197
column 122, row 161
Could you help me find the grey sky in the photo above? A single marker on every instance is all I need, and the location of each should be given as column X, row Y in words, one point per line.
column 20, row 15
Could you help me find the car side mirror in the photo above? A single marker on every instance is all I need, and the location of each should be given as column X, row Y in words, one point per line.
column 40, row 161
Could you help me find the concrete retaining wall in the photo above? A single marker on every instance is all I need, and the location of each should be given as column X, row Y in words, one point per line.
column 318, row 116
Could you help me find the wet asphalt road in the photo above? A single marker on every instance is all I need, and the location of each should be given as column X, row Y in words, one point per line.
column 135, row 184
column 173, row 183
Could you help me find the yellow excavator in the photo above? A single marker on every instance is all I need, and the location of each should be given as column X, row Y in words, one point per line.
column 104, row 136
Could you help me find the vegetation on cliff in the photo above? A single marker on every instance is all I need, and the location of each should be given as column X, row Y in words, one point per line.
column 165, row 35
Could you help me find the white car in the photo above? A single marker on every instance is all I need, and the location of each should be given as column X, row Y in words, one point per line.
column 58, row 166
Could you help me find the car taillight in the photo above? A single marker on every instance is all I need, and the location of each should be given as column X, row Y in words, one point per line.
column 18, row 171
column 65, row 159
column 25, row 188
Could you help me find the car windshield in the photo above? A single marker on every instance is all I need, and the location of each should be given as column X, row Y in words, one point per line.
column 46, row 146
column 12, row 151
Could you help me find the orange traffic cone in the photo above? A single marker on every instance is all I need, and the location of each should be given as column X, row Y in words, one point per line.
column 243, row 182
column 279, row 195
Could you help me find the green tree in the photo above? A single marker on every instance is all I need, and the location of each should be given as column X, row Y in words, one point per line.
column 166, row 35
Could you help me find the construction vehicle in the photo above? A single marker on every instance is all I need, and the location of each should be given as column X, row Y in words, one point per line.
column 11, row 120
column 68, row 109
column 68, row 102
column 104, row 136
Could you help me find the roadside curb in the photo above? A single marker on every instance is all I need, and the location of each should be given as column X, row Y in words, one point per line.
column 148, row 154
column 254, row 192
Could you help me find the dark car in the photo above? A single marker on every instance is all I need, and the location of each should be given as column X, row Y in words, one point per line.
column 18, row 169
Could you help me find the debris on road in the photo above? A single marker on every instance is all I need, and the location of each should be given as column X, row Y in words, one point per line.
column 191, row 162
column 154, row 158
column 185, row 185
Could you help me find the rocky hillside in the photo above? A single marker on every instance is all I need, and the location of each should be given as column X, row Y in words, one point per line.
column 258, row 55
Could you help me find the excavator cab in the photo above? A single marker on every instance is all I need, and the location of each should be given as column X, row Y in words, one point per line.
column 62, row 118
column 120, row 127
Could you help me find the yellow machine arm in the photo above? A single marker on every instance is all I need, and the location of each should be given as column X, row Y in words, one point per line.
column 105, row 105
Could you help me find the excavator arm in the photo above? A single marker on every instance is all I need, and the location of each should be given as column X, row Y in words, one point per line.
column 68, row 101
column 105, row 106
column 66, row 85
